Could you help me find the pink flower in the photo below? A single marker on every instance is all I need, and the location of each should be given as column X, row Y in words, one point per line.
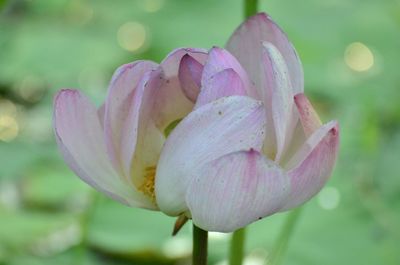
column 115, row 148
column 242, row 153
column 213, row 136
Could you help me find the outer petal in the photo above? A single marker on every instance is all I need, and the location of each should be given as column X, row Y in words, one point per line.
column 312, row 165
column 222, row 84
column 227, row 125
column 171, row 102
column 219, row 60
column 246, row 45
column 80, row 138
column 122, row 109
column 236, row 190
column 308, row 116
column 278, row 98
column 190, row 71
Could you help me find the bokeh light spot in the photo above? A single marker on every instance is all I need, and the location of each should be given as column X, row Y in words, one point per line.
column 31, row 88
column 7, row 107
column 152, row 6
column 79, row 12
column 8, row 128
column 177, row 247
column 132, row 36
column 359, row 57
column 329, row 198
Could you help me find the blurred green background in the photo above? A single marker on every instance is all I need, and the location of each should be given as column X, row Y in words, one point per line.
column 351, row 55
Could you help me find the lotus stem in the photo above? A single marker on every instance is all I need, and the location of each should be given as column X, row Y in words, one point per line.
column 200, row 238
column 250, row 7
column 237, row 247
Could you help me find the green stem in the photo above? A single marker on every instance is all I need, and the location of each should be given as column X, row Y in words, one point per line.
column 237, row 247
column 283, row 239
column 200, row 238
column 250, row 7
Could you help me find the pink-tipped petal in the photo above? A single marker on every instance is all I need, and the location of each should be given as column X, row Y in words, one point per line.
column 312, row 165
column 227, row 125
column 171, row 102
column 80, row 138
column 190, row 71
column 147, row 139
column 278, row 99
column 236, row 190
column 171, row 63
column 308, row 116
column 219, row 60
column 246, row 45
column 121, row 99
column 222, row 84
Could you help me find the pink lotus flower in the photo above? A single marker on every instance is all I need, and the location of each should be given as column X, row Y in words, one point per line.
column 235, row 151
column 242, row 153
column 115, row 148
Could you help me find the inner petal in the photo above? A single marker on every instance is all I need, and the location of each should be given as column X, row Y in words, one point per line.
column 145, row 163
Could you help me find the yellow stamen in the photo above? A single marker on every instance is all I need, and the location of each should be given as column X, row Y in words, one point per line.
column 147, row 187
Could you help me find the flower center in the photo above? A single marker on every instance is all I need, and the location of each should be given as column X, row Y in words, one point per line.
column 147, row 186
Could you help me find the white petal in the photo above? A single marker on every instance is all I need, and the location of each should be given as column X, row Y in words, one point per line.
column 236, row 190
column 278, row 98
column 313, row 163
column 246, row 45
column 122, row 110
column 141, row 157
column 227, row 125
column 80, row 138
